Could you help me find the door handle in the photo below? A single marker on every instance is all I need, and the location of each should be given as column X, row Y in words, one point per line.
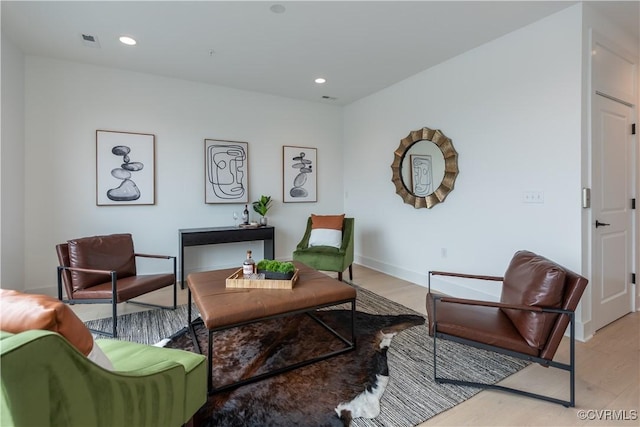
column 601, row 224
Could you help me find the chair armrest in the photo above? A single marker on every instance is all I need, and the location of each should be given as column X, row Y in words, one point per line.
column 304, row 242
column 86, row 270
column 167, row 257
column 154, row 256
column 485, row 303
column 467, row 276
column 462, row 275
column 156, row 368
column 347, row 237
column 499, row 305
column 112, row 273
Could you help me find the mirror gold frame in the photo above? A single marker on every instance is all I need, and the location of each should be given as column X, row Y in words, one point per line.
column 450, row 169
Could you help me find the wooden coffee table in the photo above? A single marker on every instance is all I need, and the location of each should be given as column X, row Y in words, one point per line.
column 224, row 308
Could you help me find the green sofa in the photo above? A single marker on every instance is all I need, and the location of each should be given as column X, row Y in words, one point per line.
column 47, row 382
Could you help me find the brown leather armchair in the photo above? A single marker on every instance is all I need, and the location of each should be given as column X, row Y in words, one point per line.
column 538, row 301
column 102, row 269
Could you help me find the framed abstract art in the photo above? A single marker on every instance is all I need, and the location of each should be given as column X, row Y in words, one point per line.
column 226, row 167
column 125, row 168
column 299, row 174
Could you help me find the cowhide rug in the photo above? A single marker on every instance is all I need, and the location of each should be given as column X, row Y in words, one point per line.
column 327, row 393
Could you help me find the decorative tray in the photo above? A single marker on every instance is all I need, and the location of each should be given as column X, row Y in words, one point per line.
column 237, row 281
column 248, row 225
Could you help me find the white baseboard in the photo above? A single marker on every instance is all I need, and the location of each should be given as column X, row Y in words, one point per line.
column 462, row 288
column 383, row 267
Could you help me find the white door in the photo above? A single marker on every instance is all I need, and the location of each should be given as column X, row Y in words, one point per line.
column 612, row 214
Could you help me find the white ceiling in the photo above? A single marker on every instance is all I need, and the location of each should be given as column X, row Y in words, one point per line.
column 360, row 47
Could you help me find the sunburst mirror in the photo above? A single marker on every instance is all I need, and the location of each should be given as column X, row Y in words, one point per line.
column 425, row 167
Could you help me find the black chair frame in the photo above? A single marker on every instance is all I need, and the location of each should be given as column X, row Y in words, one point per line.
column 570, row 367
column 114, row 294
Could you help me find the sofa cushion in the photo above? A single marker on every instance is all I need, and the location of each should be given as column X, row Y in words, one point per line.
column 97, row 356
column 111, row 252
column 487, row 325
column 533, row 280
column 326, row 230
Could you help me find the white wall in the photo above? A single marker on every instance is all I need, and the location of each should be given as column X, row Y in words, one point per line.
column 12, row 224
column 65, row 104
column 513, row 110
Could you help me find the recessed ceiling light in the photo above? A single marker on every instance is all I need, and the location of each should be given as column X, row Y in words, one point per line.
column 277, row 8
column 127, row 40
column 320, row 80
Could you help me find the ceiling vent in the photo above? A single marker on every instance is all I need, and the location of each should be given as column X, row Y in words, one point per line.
column 90, row 41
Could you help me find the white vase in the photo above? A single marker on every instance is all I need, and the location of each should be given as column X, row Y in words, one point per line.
column 263, row 220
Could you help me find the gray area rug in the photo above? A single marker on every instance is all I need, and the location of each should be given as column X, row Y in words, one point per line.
column 411, row 396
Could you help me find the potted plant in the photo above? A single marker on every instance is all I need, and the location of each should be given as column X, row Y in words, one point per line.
column 262, row 206
column 272, row 269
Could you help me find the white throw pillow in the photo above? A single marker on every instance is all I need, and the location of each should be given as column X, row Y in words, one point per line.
column 97, row 356
column 325, row 237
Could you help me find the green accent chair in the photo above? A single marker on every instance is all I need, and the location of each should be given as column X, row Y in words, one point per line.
column 46, row 381
column 328, row 258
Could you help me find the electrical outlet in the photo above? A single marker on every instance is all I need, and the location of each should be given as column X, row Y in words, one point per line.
column 533, row 197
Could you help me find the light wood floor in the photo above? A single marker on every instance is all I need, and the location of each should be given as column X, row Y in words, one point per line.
column 607, row 378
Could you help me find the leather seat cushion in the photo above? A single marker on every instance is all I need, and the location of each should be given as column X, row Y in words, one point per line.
column 128, row 288
column 112, row 252
column 487, row 325
column 533, row 280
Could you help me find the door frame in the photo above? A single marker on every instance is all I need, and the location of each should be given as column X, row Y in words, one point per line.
column 596, row 89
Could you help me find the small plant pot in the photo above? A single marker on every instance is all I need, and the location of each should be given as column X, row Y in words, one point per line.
column 263, row 220
column 273, row 275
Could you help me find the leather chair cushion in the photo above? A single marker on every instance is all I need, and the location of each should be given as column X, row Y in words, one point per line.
column 112, row 252
column 23, row 312
column 128, row 288
column 533, row 280
column 488, row 325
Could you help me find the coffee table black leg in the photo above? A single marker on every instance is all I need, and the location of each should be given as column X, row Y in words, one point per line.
column 353, row 323
column 191, row 323
column 189, row 308
column 210, row 367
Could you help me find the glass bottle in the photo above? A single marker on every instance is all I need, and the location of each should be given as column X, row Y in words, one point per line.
column 245, row 216
column 248, row 266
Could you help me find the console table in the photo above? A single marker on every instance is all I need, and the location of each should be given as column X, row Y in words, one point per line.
column 216, row 235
